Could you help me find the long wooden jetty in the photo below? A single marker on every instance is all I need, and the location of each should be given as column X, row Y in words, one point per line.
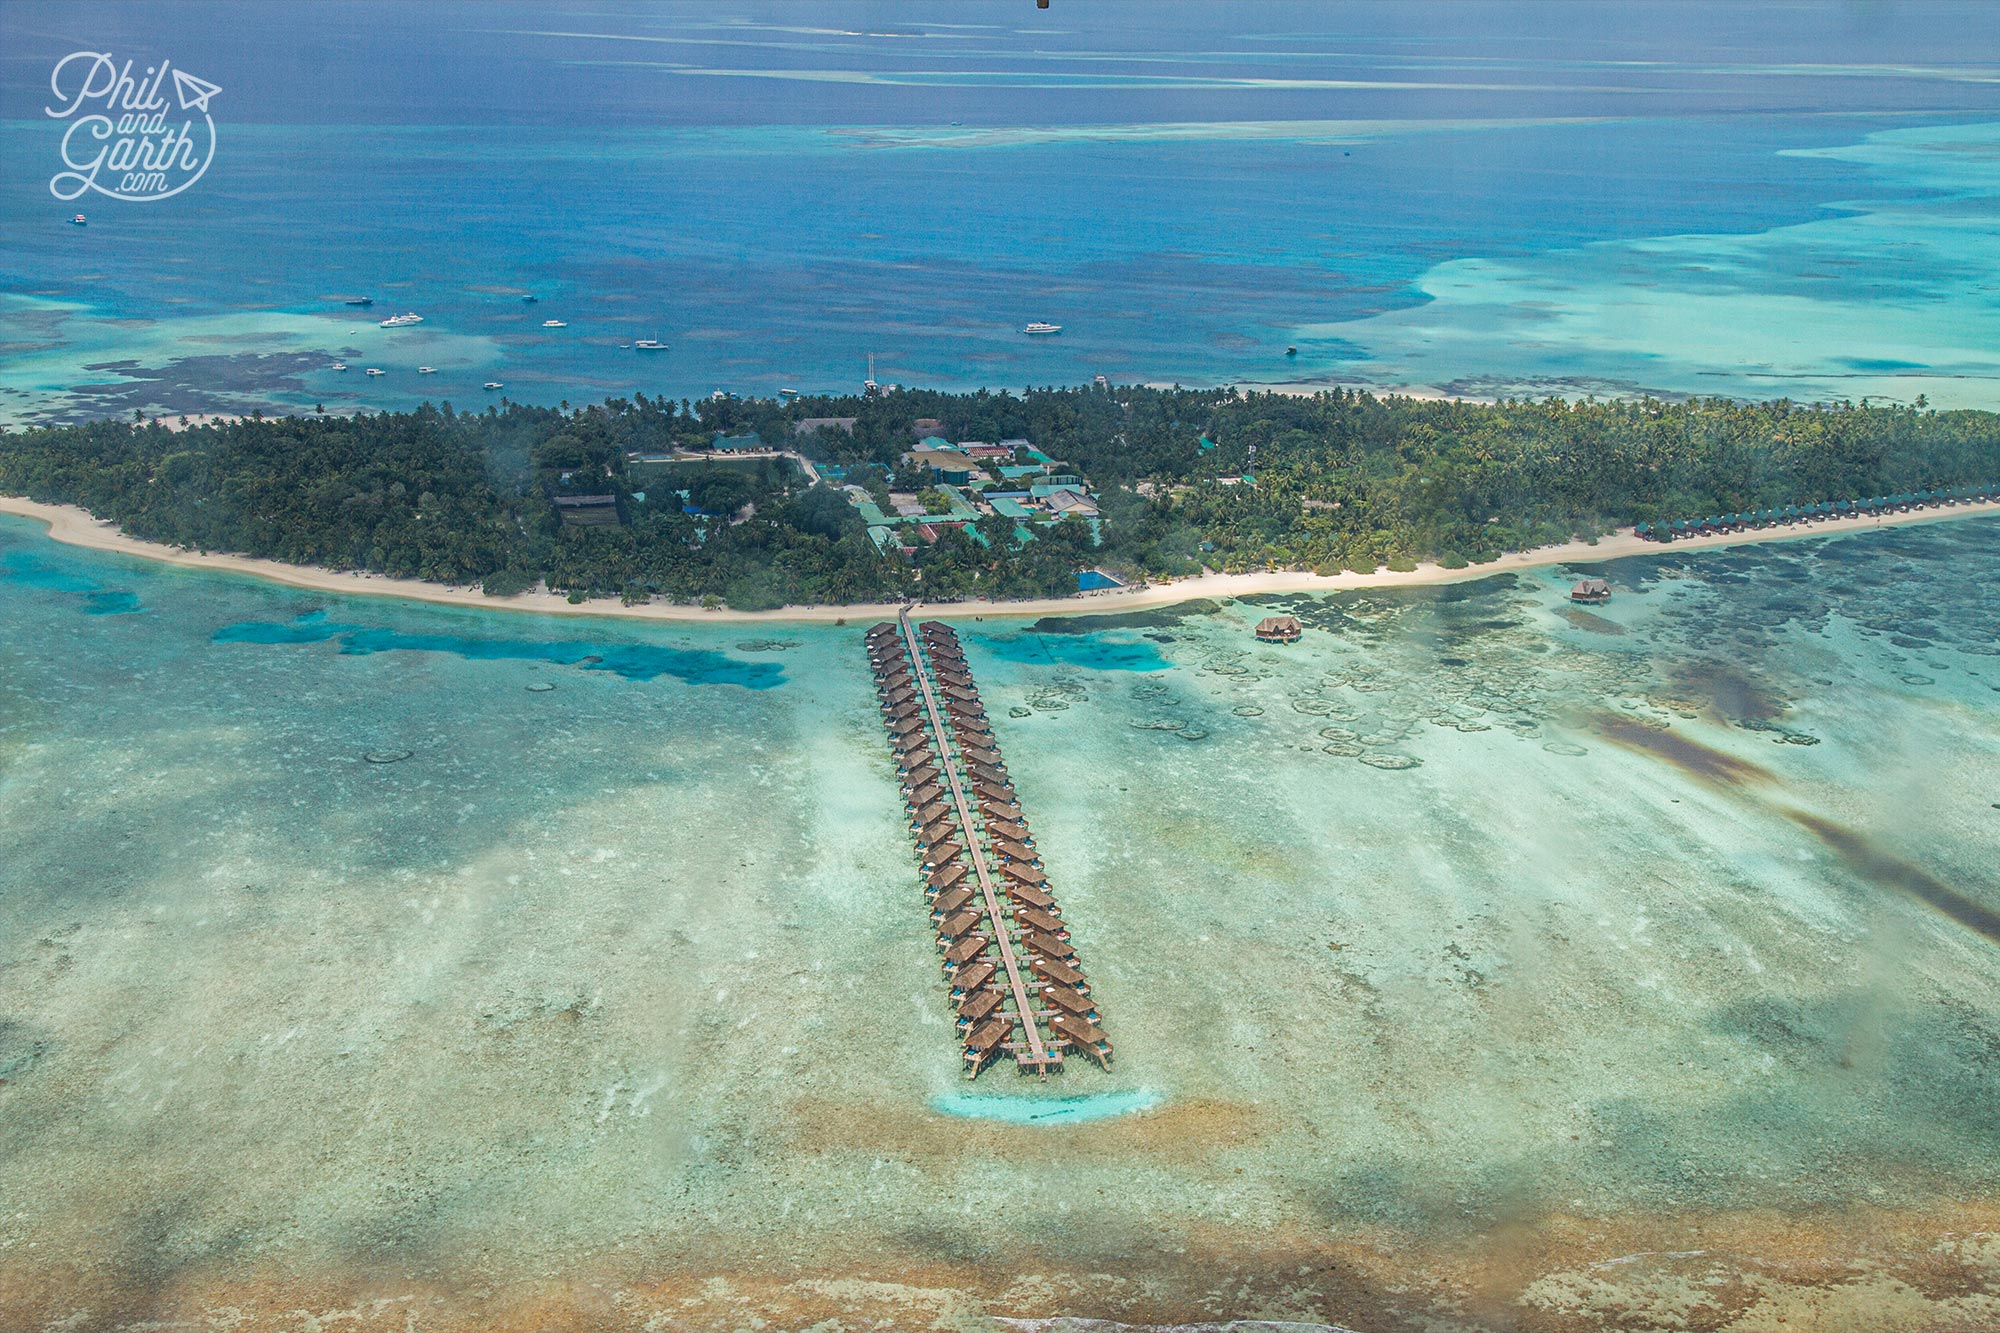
column 1014, row 978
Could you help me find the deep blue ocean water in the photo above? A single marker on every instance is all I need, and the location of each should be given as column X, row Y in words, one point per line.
column 780, row 190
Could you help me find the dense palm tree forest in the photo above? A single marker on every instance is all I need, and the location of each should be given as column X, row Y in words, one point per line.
column 1336, row 480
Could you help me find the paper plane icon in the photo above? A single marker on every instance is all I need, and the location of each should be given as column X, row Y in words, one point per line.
column 194, row 93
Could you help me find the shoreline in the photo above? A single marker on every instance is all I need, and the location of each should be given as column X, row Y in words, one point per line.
column 77, row 527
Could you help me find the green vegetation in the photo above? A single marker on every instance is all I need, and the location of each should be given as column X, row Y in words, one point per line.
column 1341, row 481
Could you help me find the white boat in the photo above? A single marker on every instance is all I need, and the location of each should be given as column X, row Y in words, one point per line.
column 402, row 321
column 1039, row 327
column 493, row 384
column 79, row 221
column 554, row 324
column 649, row 345
column 340, row 365
column 427, row 370
column 788, row 393
column 373, row 371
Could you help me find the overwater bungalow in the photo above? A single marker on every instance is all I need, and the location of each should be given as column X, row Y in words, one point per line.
column 1062, row 997
column 941, row 854
column 934, row 835
column 984, row 1044
column 1036, row 919
column 930, row 814
column 1014, row 851
column 924, row 795
column 951, row 900
column 1279, row 629
column 981, row 771
column 977, row 1006
column 961, row 693
column 1008, row 829
column 1055, row 969
column 1087, row 1037
column 1036, row 942
column 1024, row 875
column 917, row 777
column 1001, row 798
column 904, row 726
column 959, row 923
column 967, row 949
column 1028, row 893
column 969, row 978
column 1590, row 590
column 984, row 754
column 953, row 679
column 907, row 708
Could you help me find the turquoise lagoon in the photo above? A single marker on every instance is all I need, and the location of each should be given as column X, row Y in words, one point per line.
column 1677, row 198
column 345, row 962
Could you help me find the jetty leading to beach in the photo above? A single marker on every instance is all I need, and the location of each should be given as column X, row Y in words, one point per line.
column 1014, row 978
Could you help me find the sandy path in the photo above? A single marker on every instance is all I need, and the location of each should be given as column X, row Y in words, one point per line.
column 67, row 523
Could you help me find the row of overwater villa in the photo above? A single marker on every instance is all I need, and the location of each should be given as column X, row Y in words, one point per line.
column 1816, row 513
column 1014, row 979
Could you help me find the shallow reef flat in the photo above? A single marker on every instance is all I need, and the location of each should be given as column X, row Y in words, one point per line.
column 1478, row 962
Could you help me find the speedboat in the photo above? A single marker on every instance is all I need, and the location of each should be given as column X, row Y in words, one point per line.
column 79, row 221
column 530, row 300
column 649, row 345
column 373, row 371
column 788, row 393
column 554, row 324
column 339, row 365
column 493, row 384
column 402, row 321
column 1038, row 327
column 427, row 370
column 362, row 300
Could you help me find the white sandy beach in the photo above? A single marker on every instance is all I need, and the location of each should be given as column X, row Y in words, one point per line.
column 67, row 523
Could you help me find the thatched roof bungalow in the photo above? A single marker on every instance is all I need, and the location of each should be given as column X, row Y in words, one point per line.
column 1055, row 969
column 1053, row 946
column 950, row 901
column 1062, row 997
column 971, row 977
column 958, row 923
column 1036, row 919
column 965, row 950
column 1028, row 893
column 977, row 1006
column 1279, row 629
column 1023, row 874
column 1590, row 590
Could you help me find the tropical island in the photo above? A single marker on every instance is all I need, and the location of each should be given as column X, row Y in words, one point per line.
column 764, row 503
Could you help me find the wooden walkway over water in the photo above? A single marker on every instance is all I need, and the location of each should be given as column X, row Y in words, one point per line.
column 1015, row 982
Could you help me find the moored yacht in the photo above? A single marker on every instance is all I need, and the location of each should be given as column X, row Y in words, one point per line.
column 1038, row 327
column 493, row 384
column 338, row 365
column 373, row 371
column 554, row 324
column 361, row 300
column 649, row 345
column 427, row 370
column 402, row 321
